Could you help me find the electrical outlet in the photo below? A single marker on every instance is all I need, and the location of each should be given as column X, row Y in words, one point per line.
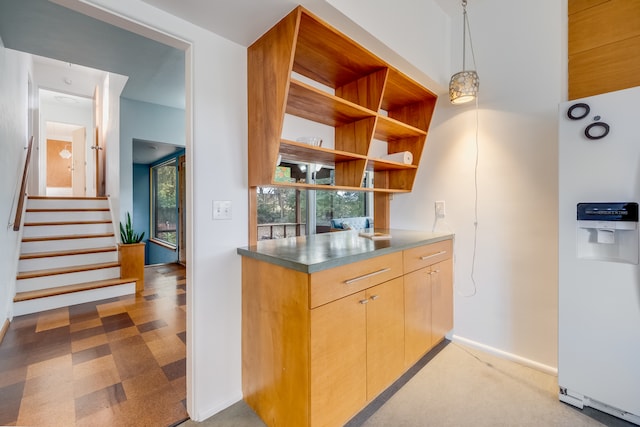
column 440, row 210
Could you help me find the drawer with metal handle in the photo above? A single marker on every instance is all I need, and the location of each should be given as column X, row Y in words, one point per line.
column 329, row 285
column 424, row 256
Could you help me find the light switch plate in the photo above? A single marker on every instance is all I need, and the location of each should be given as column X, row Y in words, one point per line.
column 222, row 209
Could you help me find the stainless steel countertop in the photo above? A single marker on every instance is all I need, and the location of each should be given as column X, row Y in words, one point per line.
column 317, row 252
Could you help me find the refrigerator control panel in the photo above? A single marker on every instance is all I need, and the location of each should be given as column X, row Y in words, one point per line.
column 619, row 211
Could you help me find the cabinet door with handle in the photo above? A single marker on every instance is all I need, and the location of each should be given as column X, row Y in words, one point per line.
column 338, row 360
column 442, row 299
column 385, row 335
column 417, row 304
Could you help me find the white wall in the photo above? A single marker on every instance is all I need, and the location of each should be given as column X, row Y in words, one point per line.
column 416, row 30
column 216, row 158
column 110, row 128
column 14, row 69
column 519, row 54
column 150, row 122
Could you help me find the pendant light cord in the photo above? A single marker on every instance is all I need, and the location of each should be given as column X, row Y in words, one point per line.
column 475, row 169
column 465, row 23
column 466, row 28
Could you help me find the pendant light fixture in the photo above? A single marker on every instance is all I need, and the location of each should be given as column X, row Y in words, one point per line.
column 65, row 153
column 463, row 86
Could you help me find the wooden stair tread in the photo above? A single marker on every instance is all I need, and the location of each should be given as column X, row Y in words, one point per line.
column 61, row 290
column 68, row 210
column 69, row 252
column 56, row 223
column 66, row 237
column 65, row 198
column 64, row 270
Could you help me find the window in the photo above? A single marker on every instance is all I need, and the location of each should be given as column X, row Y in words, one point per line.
column 164, row 202
column 282, row 212
column 339, row 204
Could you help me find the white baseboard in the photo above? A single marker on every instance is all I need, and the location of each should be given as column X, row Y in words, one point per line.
column 505, row 355
column 200, row 416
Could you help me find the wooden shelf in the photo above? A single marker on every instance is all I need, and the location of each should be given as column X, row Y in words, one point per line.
column 313, row 104
column 389, row 129
column 304, row 153
column 305, row 68
column 327, row 187
column 400, row 91
column 370, row 100
column 325, row 55
column 378, row 165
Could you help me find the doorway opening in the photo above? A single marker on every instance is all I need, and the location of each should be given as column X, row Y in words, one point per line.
column 65, row 144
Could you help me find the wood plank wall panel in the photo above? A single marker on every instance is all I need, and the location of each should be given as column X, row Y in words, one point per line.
column 580, row 5
column 604, row 46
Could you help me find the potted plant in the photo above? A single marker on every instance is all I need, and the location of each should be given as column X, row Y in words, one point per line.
column 131, row 254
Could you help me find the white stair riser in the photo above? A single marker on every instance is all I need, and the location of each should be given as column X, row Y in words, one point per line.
column 66, row 261
column 53, row 281
column 66, row 230
column 66, row 244
column 49, row 216
column 66, row 204
column 64, row 300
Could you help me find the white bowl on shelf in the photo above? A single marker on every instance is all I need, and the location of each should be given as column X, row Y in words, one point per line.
column 316, row 141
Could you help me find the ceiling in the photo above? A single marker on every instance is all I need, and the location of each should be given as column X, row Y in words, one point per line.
column 243, row 21
column 156, row 71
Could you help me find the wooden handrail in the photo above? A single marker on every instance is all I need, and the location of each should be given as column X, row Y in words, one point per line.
column 23, row 188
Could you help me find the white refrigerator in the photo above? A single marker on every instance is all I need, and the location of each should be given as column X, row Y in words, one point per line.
column 599, row 274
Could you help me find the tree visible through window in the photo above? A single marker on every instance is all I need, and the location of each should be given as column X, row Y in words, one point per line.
column 164, row 212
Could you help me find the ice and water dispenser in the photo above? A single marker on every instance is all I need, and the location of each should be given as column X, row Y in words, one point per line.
column 608, row 232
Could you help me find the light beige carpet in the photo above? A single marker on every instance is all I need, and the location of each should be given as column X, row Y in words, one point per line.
column 458, row 387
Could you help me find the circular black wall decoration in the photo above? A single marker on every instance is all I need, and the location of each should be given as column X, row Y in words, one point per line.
column 602, row 126
column 578, row 106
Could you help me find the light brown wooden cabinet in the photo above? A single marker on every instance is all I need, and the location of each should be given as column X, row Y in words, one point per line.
column 428, row 296
column 289, row 68
column 318, row 347
column 356, row 351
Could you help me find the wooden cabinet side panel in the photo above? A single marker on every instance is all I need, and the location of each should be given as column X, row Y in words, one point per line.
column 417, row 115
column 385, row 335
column 350, row 174
column 402, row 179
column 381, row 202
column 366, row 91
column 417, row 306
column 355, row 137
column 414, row 145
column 338, row 361
column 269, row 63
column 275, row 342
column 442, row 299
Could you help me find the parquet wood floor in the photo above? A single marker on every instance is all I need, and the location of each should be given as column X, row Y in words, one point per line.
column 116, row 362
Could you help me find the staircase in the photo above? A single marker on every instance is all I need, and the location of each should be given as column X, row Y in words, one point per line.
column 68, row 255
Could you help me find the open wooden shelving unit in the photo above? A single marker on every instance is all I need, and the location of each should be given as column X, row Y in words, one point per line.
column 371, row 100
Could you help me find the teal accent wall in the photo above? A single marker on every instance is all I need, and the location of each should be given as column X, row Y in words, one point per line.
column 154, row 254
